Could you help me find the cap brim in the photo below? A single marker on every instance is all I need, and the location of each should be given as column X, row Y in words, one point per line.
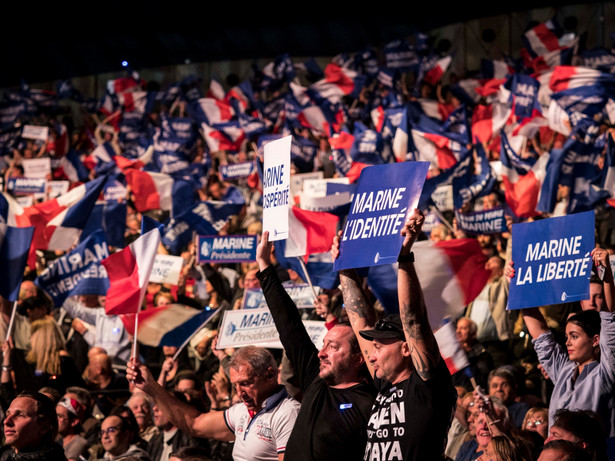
column 378, row 334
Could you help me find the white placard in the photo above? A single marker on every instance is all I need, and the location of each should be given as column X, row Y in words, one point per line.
column 167, row 269
column 57, row 188
column 318, row 187
column 297, row 180
column 245, row 327
column 35, row 132
column 326, row 203
column 36, row 167
column 276, row 188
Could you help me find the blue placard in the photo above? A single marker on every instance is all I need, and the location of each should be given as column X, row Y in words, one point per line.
column 236, row 170
column 386, row 195
column 482, row 222
column 552, row 260
column 25, row 186
column 227, row 248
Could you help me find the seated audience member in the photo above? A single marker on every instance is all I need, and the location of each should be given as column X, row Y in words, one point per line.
column 116, row 438
column 141, row 406
column 537, row 420
column 480, row 360
column 30, row 428
column 563, row 450
column 169, row 438
column 70, row 414
column 90, row 426
column 582, row 427
column 100, row 376
column 502, row 383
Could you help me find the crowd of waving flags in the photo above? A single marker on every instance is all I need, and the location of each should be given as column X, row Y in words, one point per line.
column 359, row 103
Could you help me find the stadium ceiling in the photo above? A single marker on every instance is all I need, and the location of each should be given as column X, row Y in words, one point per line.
column 69, row 39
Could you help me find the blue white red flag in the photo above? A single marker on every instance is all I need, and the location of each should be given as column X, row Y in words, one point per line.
column 170, row 325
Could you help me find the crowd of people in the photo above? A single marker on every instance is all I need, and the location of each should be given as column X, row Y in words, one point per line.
column 540, row 381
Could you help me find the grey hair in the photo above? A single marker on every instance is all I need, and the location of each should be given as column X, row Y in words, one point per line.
column 258, row 358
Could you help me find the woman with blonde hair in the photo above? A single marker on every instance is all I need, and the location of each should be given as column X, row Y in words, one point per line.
column 47, row 363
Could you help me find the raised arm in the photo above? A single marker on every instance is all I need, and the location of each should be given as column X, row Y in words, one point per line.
column 187, row 418
column 421, row 341
column 360, row 311
column 533, row 318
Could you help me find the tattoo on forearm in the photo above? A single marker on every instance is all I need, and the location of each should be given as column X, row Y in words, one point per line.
column 423, row 347
column 355, row 302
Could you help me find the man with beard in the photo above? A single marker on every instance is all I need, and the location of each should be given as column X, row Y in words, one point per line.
column 337, row 394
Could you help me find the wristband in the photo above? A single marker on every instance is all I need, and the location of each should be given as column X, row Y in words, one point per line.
column 6, row 368
column 409, row 258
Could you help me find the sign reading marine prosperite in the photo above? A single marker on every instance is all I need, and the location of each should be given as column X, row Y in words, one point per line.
column 385, row 196
column 552, row 260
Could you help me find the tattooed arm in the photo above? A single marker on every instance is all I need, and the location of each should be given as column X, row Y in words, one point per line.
column 360, row 311
column 419, row 335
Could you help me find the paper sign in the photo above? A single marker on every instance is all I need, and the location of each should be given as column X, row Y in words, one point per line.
column 276, row 188
column 36, row 167
column 246, row 327
column 386, row 195
column 57, row 188
column 167, row 269
column 35, row 132
column 552, row 260
column 24, row 186
column 227, row 248
column 301, row 294
column 482, row 222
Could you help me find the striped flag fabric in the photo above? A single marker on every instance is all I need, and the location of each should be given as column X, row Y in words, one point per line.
column 129, row 271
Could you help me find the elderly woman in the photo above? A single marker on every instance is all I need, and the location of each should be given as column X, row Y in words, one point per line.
column 537, row 419
column 583, row 372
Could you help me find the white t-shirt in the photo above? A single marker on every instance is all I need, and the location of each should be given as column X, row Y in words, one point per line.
column 264, row 436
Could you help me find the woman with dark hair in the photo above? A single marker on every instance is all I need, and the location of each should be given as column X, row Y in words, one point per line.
column 582, row 371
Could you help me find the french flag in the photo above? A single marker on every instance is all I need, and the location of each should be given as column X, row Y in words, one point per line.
column 522, row 191
column 212, row 111
column 129, row 272
column 567, row 77
column 223, row 137
column 435, row 73
column 152, row 190
column 453, row 277
column 494, row 68
column 440, row 150
column 170, row 325
column 451, row 351
column 337, row 83
column 488, row 120
column 310, row 232
column 59, row 222
column 543, row 38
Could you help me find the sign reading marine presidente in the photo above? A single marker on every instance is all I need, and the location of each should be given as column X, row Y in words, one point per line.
column 227, row 248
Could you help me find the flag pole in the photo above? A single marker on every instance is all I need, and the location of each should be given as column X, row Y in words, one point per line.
column 307, row 277
column 9, row 329
column 134, row 337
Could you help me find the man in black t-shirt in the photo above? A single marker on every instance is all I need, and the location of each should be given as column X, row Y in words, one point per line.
column 337, row 393
column 416, row 398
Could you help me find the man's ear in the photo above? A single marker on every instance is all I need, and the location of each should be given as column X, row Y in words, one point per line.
column 405, row 349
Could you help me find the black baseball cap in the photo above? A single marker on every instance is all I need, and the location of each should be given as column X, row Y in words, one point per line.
column 389, row 327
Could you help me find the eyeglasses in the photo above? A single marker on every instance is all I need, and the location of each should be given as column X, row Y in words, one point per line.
column 109, row 430
column 531, row 424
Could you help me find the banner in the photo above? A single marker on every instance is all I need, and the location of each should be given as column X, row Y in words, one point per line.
column 79, row 272
column 25, row 186
column 256, row 327
column 40, row 133
column 552, row 260
column 301, row 294
column 227, row 248
column 386, row 195
column 167, row 269
column 236, row 170
column 482, row 222
column 276, row 188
